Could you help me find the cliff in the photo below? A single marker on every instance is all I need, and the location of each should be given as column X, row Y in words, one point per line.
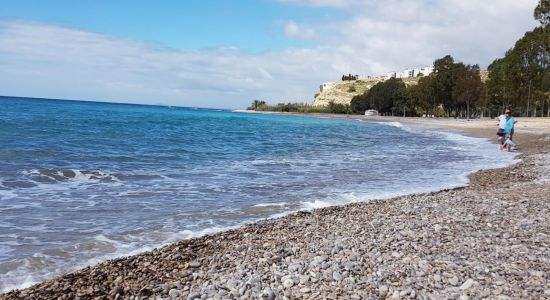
column 344, row 91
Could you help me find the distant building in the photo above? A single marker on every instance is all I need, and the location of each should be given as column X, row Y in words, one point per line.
column 409, row 73
column 327, row 86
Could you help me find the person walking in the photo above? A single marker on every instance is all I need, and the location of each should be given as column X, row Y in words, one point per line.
column 510, row 122
column 500, row 131
column 506, row 130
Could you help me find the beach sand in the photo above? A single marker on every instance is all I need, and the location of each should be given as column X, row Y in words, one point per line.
column 488, row 240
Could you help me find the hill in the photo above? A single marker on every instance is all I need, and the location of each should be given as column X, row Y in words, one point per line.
column 344, row 91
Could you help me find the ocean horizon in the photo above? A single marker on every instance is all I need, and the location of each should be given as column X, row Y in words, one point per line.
column 83, row 181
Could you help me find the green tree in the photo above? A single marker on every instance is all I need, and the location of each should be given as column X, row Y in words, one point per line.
column 359, row 104
column 521, row 79
column 542, row 12
column 467, row 87
column 388, row 96
column 256, row 105
column 444, row 68
column 423, row 96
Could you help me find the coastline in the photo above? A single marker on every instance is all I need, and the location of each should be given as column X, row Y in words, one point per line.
column 374, row 249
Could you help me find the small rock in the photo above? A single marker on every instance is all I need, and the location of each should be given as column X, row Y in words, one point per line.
column 467, row 284
column 194, row 264
column 305, row 290
column 336, row 276
column 395, row 295
column 173, row 293
column 382, row 290
column 194, row 295
column 117, row 290
column 268, row 294
column 288, row 283
column 453, row 280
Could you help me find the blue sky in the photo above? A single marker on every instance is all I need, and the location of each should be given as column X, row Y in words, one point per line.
column 225, row 54
column 253, row 26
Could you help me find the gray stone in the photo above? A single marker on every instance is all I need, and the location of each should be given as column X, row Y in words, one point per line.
column 288, row 283
column 193, row 295
column 453, row 280
column 194, row 264
column 467, row 284
column 173, row 293
column 382, row 290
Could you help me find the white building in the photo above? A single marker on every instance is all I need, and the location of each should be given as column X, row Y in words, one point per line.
column 408, row 73
column 327, row 86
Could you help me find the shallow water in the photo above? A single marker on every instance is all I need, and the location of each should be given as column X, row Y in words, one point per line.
column 81, row 182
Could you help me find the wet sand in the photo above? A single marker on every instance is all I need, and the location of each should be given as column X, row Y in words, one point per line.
column 488, row 240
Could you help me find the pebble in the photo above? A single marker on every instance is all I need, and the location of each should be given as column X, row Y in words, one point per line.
column 288, row 283
column 453, row 280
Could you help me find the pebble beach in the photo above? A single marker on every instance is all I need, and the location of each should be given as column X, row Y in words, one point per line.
column 490, row 239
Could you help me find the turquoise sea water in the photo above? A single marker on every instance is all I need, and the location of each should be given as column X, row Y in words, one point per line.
column 81, row 182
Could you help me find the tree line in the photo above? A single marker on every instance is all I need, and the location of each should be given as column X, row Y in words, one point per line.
column 349, row 77
column 453, row 90
column 521, row 79
column 332, row 108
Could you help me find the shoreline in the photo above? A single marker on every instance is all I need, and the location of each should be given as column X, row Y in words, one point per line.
column 185, row 260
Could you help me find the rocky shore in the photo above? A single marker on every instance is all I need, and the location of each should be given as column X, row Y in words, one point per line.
column 488, row 240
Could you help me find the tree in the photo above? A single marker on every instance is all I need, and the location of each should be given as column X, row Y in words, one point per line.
column 423, row 95
column 521, row 78
column 359, row 104
column 256, row 104
column 443, row 68
column 467, row 87
column 542, row 12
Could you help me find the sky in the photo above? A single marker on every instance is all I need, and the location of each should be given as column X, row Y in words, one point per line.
column 225, row 54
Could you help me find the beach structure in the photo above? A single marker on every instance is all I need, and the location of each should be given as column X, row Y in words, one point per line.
column 371, row 113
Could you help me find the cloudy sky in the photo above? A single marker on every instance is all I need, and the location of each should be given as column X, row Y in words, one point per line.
column 224, row 54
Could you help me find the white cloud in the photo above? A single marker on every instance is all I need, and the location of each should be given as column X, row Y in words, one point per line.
column 293, row 30
column 49, row 61
column 43, row 60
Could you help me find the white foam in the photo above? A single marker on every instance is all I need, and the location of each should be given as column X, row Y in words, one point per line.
column 394, row 124
column 280, row 204
column 7, row 194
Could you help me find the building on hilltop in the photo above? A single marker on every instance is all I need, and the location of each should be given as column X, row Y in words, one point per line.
column 408, row 73
column 327, row 86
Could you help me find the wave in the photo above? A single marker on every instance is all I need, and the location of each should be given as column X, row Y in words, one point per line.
column 62, row 175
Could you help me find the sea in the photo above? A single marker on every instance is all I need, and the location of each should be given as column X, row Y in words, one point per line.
column 82, row 182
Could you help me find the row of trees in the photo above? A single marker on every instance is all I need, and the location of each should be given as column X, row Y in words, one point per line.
column 333, row 108
column 452, row 90
column 521, row 79
column 349, row 77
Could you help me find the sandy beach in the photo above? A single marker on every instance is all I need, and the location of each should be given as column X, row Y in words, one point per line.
column 490, row 239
